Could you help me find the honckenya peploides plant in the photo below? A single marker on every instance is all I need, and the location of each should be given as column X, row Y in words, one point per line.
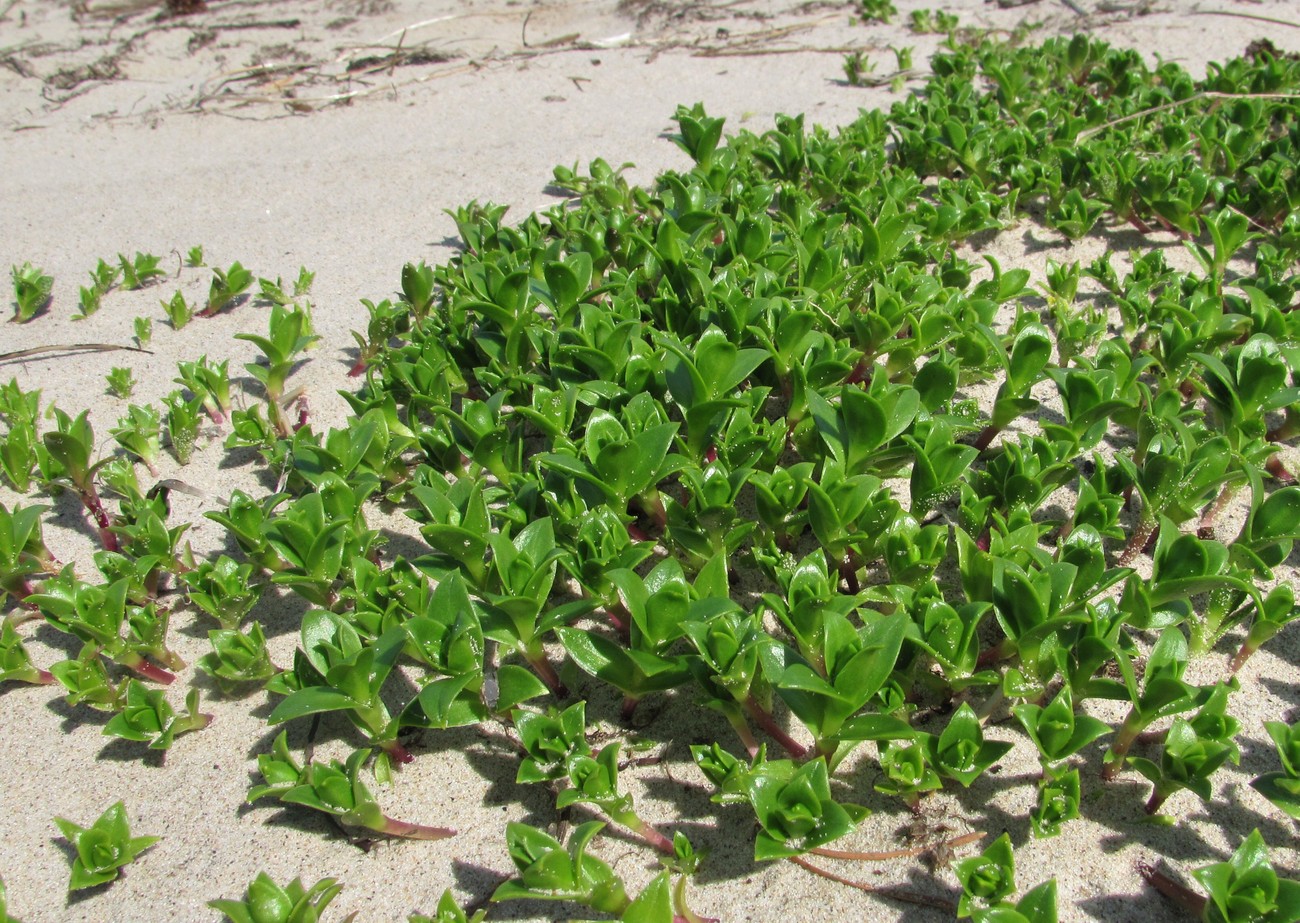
column 761, row 451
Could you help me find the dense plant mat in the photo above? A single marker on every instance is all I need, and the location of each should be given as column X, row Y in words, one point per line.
column 767, row 444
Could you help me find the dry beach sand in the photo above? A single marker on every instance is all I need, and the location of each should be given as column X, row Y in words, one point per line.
column 332, row 135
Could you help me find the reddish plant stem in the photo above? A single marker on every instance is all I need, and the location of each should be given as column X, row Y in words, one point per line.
column 628, row 708
column 986, row 436
column 148, row 670
column 1138, row 223
column 1155, row 802
column 1145, row 531
column 1205, row 529
column 744, row 733
column 409, row 831
column 90, row 500
column 1275, row 467
column 1243, row 654
column 894, row 893
column 396, row 752
column 767, row 723
column 1185, row 898
column 651, row 835
column 851, row 856
column 541, row 665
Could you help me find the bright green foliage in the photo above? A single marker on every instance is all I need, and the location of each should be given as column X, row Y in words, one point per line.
column 1283, row 788
column 267, row 902
column 1246, row 887
column 31, row 288
column 448, row 912
column 333, row 788
column 548, row 871
column 146, row 716
column 102, row 848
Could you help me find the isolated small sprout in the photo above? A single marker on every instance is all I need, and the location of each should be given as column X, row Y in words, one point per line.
column 194, row 257
column 31, row 289
column 143, row 327
column 120, row 381
column 103, row 848
column 266, row 902
column 857, row 64
column 226, row 287
column 140, row 270
column 178, row 310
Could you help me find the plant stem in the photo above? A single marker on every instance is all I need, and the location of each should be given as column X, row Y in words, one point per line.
column 986, row 436
column 1185, row 898
column 1146, row 528
column 541, row 665
column 737, row 722
column 647, row 832
column 90, row 500
column 769, row 726
column 1275, row 467
column 898, row 894
column 146, row 669
column 1239, row 659
column 1205, row 529
column 851, row 856
column 1128, row 732
column 409, row 831
column 396, row 751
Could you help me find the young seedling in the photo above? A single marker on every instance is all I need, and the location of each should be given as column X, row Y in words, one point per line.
column 194, row 257
column 120, row 382
column 548, row 871
column 335, row 789
column 385, row 320
column 31, row 288
column 210, row 383
column 143, row 329
column 103, row 848
column 1163, row 693
column 69, row 449
column 139, row 271
column 594, row 780
column 282, row 351
column 23, row 554
column 178, row 310
column 98, row 615
column 147, row 716
column 226, row 287
column 87, row 681
column 266, row 902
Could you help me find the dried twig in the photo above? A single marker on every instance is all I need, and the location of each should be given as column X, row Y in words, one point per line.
column 70, row 348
